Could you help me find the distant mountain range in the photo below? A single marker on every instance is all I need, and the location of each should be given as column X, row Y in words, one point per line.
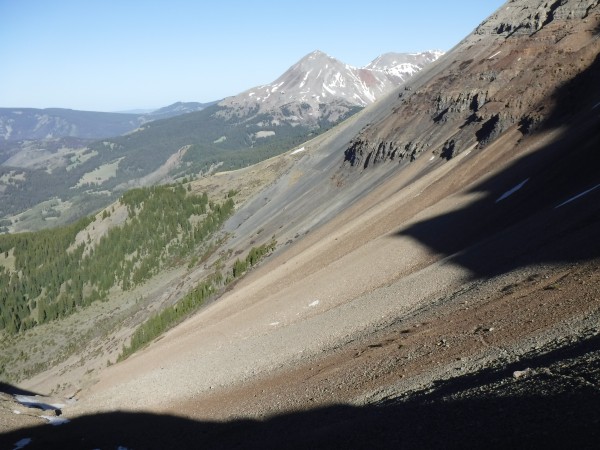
column 31, row 124
column 61, row 155
column 176, row 109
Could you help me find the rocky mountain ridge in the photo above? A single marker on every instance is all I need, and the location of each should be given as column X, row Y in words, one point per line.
column 320, row 87
column 506, row 83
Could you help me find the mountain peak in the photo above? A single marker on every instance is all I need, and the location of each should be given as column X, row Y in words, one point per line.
column 396, row 64
column 319, row 80
column 317, row 54
column 314, row 59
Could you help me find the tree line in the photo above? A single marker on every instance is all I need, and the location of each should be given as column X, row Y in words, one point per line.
column 53, row 276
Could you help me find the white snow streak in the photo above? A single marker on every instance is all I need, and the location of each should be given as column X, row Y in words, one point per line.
column 298, row 151
column 275, row 87
column 53, row 420
column 304, row 79
column 313, row 304
column 495, row 54
column 577, row 196
column 33, row 402
column 328, row 89
column 22, row 443
column 512, row 191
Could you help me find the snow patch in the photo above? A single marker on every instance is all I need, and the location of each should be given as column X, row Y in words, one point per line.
column 328, row 89
column 273, row 324
column 55, row 421
column 264, row 134
column 577, row 196
column 22, row 443
column 313, row 304
column 402, row 70
column 33, row 402
column 512, row 191
column 298, row 151
column 305, row 78
column 276, row 87
column 495, row 54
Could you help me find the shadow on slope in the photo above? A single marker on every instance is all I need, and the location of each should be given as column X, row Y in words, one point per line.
column 522, row 219
column 14, row 390
column 556, row 406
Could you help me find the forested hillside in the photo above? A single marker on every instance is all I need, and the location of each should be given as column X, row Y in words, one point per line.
column 50, row 274
column 76, row 178
column 234, row 142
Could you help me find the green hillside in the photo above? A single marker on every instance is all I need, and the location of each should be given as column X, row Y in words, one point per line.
column 93, row 176
column 51, row 274
column 213, row 140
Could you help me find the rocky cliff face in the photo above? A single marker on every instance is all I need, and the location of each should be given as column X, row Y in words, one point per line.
column 527, row 17
column 500, row 77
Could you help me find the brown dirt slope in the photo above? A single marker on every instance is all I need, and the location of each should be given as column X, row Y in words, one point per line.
column 453, row 301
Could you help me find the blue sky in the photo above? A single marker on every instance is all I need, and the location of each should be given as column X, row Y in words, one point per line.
column 118, row 55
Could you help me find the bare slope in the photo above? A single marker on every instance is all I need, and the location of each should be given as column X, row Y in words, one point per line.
column 450, row 301
column 380, row 259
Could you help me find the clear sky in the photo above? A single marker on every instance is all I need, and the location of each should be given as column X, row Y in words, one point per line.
column 114, row 55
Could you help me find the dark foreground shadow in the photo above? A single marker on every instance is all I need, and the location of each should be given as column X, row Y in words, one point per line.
column 557, row 406
column 494, row 235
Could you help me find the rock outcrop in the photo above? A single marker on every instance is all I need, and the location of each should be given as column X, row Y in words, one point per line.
column 499, row 77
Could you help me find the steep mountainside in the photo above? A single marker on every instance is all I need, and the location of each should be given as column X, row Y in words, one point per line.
column 435, row 281
column 499, row 78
